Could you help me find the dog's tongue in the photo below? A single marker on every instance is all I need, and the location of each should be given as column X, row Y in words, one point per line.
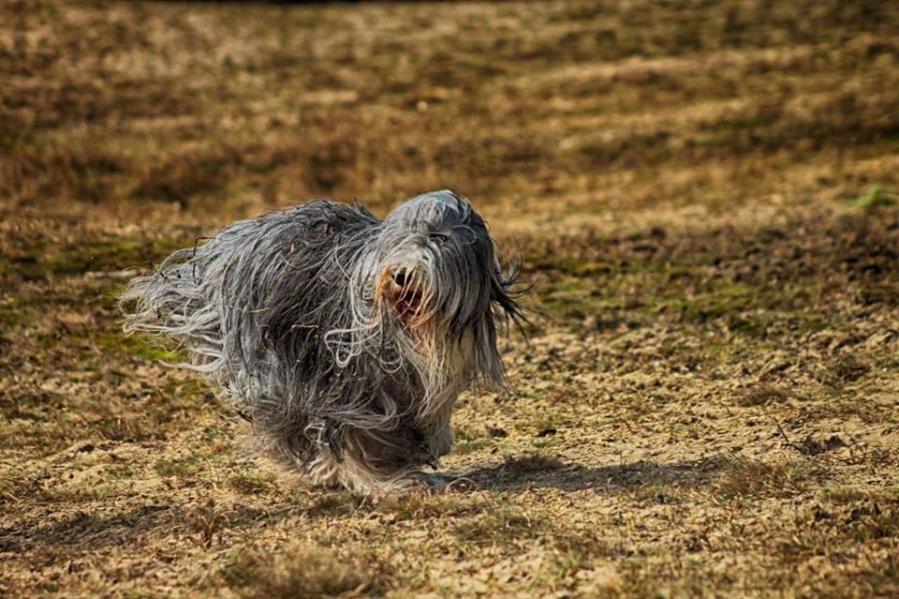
column 408, row 305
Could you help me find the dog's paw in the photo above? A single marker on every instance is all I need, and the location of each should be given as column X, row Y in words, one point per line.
column 430, row 482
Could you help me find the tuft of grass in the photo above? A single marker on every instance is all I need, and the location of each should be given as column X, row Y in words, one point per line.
column 811, row 445
column 763, row 395
column 499, row 526
column 252, row 483
column 424, row 506
column 467, row 446
column 745, row 478
column 179, row 467
column 872, row 521
column 299, row 571
column 876, row 196
column 532, row 463
column 848, row 368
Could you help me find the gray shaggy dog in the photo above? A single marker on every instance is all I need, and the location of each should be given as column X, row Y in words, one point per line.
column 342, row 338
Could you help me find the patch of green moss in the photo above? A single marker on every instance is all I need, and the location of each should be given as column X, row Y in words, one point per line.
column 44, row 261
column 15, row 315
column 642, row 296
column 876, row 196
column 109, row 255
column 138, row 346
column 180, row 467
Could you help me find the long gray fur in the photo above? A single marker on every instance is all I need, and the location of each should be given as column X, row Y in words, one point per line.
column 297, row 317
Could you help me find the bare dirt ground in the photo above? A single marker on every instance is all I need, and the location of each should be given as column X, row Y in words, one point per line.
column 704, row 197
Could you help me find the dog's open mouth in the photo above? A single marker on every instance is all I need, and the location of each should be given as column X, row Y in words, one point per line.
column 407, row 303
column 405, row 294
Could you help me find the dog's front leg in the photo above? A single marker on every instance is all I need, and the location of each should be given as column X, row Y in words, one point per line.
column 439, row 432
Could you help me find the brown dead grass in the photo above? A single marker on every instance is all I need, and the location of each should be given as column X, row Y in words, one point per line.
column 705, row 203
column 299, row 571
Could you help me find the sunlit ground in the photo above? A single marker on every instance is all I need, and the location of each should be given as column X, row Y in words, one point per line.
column 704, row 199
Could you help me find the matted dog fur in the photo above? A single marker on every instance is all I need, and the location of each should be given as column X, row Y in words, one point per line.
column 344, row 339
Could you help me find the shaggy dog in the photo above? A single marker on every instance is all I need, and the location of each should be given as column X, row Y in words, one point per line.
column 344, row 339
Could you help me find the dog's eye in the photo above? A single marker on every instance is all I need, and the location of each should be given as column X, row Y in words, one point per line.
column 438, row 238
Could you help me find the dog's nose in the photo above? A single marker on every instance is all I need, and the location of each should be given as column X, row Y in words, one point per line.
column 400, row 277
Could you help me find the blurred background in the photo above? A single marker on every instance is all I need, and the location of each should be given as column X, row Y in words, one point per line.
column 534, row 109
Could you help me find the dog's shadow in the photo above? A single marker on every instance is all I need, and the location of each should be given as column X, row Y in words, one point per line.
column 85, row 531
column 537, row 472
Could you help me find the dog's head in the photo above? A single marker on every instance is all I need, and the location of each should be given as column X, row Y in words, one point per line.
column 438, row 274
column 439, row 266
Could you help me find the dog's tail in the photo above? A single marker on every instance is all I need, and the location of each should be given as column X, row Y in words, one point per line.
column 176, row 301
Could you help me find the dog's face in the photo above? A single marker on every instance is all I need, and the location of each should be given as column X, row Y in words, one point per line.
column 438, row 267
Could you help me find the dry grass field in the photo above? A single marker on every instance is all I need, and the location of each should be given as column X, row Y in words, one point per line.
column 704, row 199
